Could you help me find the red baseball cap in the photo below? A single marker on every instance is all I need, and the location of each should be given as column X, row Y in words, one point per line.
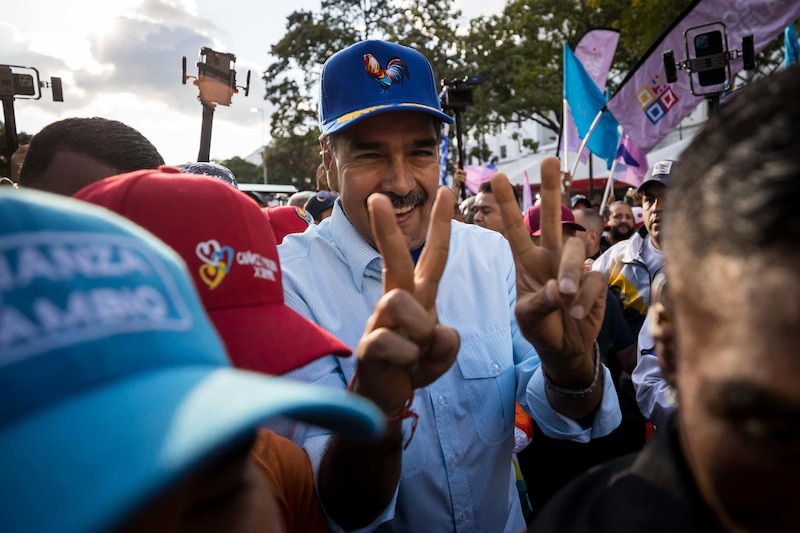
column 229, row 248
column 286, row 219
column 531, row 219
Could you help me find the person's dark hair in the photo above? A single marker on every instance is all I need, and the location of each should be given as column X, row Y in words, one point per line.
column 736, row 188
column 486, row 186
column 109, row 141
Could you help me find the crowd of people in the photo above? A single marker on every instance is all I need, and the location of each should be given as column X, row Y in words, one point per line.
column 378, row 356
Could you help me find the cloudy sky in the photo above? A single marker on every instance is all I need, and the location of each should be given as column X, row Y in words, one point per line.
column 121, row 59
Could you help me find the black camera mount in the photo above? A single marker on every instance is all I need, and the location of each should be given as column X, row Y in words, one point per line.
column 216, row 79
column 711, row 61
column 18, row 82
column 455, row 97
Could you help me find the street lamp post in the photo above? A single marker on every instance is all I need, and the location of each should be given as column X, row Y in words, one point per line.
column 263, row 140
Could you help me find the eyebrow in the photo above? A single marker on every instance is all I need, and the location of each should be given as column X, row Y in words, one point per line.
column 744, row 399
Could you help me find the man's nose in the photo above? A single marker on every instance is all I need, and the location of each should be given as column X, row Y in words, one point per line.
column 399, row 179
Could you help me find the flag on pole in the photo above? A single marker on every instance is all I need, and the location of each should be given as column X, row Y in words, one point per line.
column 527, row 200
column 477, row 175
column 792, row 46
column 595, row 51
column 587, row 102
column 631, row 164
column 443, row 148
column 647, row 107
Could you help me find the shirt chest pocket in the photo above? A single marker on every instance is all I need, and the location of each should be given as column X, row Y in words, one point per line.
column 487, row 367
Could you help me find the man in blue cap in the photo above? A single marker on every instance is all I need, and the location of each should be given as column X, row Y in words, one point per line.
column 380, row 118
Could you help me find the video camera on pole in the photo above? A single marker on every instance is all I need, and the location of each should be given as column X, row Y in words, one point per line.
column 709, row 60
column 18, row 82
column 216, row 80
column 455, row 97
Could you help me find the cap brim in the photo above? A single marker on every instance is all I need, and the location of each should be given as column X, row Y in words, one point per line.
column 575, row 225
column 649, row 182
column 93, row 460
column 356, row 116
column 273, row 338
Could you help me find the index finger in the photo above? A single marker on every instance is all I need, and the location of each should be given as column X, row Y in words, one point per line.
column 433, row 259
column 515, row 231
column 398, row 268
column 550, row 214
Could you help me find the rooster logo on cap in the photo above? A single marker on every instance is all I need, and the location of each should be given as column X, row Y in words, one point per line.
column 395, row 72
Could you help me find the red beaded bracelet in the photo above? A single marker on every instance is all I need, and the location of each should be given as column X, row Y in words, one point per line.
column 405, row 412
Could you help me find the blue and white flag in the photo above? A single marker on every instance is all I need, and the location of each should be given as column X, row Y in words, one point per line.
column 443, row 148
column 586, row 101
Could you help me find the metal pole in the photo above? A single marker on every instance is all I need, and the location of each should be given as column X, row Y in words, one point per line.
column 264, row 144
column 12, row 142
column 205, row 134
column 460, row 140
column 586, row 140
column 609, row 187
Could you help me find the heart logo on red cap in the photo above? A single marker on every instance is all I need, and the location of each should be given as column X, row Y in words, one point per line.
column 217, row 261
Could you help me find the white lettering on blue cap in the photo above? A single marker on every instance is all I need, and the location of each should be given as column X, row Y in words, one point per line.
column 61, row 288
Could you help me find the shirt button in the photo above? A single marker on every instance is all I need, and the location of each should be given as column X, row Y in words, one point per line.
column 441, row 400
column 495, row 367
column 453, row 457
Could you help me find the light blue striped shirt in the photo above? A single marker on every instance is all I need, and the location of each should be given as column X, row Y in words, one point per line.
column 457, row 473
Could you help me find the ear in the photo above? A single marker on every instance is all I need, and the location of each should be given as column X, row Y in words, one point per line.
column 329, row 164
column 662, row 327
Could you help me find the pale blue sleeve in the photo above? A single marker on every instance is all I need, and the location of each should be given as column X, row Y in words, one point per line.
column 653, row 394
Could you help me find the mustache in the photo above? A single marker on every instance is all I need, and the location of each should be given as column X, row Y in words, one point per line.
column 411, row 199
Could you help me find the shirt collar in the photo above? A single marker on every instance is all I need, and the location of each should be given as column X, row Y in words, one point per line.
column 362, row 259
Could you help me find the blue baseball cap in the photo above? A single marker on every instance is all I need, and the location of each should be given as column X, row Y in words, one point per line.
column 373, row 77
column 113, row 382
column 320, row 202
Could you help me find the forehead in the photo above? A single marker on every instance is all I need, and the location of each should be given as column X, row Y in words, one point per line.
column 397, row 128
column 484, row 199
column 71, row 171
column 738, row 315
column 623, row 209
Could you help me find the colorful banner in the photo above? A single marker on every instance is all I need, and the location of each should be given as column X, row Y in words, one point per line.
column 477, row 175
column 647, row 107
column 587, row 102
column 595, row 51
column 631, row 164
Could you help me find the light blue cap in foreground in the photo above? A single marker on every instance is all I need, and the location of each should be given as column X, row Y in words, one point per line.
column 113, row 381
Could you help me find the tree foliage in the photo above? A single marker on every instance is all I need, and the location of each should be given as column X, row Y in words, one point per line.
column 245, row 171
column 293, row 159
column 518, row 52
column 312, row 37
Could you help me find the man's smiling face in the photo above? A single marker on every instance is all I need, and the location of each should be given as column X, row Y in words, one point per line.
column 396, row 154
